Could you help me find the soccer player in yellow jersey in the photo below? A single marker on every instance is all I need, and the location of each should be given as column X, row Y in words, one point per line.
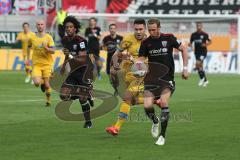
column 133, row 85
column 43, row 47
column 24, row 38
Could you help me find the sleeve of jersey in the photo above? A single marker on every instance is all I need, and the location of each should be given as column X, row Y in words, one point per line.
column 176, row 44
column 143, row 50
column 208, row 38
column 83, row 45
column 191, row 39
column 51, row 42
column 19, row 36
column 125, row 44
column 99, row 31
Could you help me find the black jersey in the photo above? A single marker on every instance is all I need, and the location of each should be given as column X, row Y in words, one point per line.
column 160, row 51
column 199, row 38
column 74, row 45
column 93, row 42
column 112, row 43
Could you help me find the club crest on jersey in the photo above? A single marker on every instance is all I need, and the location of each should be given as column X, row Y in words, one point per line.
column 164, row 43
column 201, row 36
column 82, row 45
column 74, row 47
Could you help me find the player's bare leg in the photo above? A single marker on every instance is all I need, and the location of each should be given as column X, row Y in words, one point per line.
column 165, row 96
column 149, row 110
column 123, row 114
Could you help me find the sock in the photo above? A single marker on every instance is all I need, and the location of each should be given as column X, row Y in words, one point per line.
column 204, row 76
column 86, row 110
column 123, row 114
column 164, row 120
column 48, row 95
column 28, row 71
column 151, row 114
column 201, row 74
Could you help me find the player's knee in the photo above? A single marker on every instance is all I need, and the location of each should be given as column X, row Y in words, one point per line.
column 65, row 97
column 163, row 103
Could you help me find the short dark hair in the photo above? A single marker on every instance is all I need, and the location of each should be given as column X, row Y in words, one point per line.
column 139, row 21
column 93, row 18
column 25, row 23
column 198, row 23
column 154, row 21
column 112, row 24
column 74, row 21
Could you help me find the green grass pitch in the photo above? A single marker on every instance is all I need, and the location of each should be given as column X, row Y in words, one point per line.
column 205, row 125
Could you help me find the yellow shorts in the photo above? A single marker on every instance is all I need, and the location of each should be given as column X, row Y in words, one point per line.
column 42, row 70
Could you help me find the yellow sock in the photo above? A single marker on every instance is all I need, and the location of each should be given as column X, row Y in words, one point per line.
column 48, row 95
column 123, row 114
column 140, row 99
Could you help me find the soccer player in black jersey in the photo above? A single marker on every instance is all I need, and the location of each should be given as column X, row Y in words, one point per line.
column 159, row 81
column 201, row 40
column 78, row 84
column 110, row 42
column 93, row 34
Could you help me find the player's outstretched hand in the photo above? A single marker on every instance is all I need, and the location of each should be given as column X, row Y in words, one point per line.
column 185, row 74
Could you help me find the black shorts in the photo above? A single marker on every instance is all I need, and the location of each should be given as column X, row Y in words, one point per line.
column 79, row 83
column 156, row 87
column 79, row 77
column 200, row 56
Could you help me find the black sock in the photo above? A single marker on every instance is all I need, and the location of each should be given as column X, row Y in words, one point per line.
column 86, row 110
column 164, row 120
column 201, row 74
column 151, row 114
column 204, row 76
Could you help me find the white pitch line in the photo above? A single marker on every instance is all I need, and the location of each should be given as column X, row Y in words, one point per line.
column 27, row 100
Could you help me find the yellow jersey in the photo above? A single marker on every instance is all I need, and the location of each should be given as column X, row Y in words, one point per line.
column 24, row 38
column 40, row 55
column 131, row 45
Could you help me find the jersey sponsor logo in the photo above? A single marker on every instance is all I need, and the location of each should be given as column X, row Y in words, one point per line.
column 82, row 45
column 198, row 41
column 157, row 52
column 74, row 47
column 164, row 43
